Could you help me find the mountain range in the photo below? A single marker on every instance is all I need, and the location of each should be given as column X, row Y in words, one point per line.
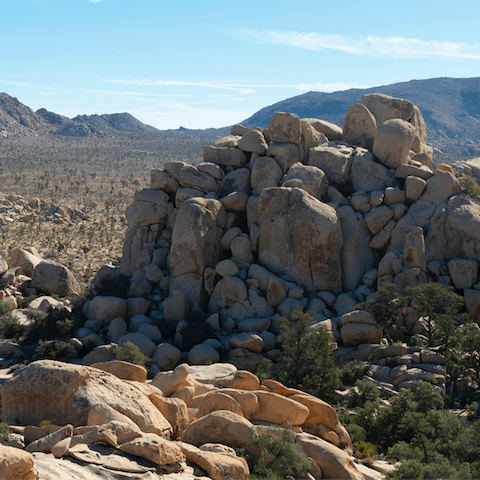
column 16, row 119
column 450, row 107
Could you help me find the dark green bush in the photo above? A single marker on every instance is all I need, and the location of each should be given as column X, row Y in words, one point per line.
column 24, row 302
column 386, row 306
column 469, row 186
column 10, row 327
column 55, row 324
column 306, row 362
column 352, row 371
column 364, row 391
column 54, row 350
column 280, row 455
column 439, row 306
column 129, row 352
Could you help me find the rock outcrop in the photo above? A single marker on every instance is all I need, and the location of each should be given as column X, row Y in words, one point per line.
column 103, row 433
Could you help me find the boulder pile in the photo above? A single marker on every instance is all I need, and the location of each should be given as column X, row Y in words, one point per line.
column 304, row 216
column 106, row 421
column 28, row 273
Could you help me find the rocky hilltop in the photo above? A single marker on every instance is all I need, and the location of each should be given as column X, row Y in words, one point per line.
column 450, row 107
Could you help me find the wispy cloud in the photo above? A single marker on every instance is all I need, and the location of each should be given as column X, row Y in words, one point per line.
column 94, row 1
column 135, row 94
column 242, row 88
column 181, row 83
column 397, row 47
column 34, row 86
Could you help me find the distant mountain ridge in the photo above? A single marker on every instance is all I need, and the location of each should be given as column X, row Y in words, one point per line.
column 16, row 119
column 450, row 107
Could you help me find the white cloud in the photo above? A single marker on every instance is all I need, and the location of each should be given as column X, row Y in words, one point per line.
column 242, row 88
column 397, row 47
column 94, row 1
column 181, row 83
column 135, row 94
column 30, row 85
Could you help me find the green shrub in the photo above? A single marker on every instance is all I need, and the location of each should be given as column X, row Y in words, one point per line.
column 10, row 327
column 4, row 308
column 352, row 371
column 306, row 362
column 356, row 432
column 386, row 306
column 129, row 352
column 439, row 306
column 280, row 455
column 366, row 447
column 469, row 186
column 54, row 350
column 364, row 391
column 25, row 301
column 4, row 432
column 55, row 324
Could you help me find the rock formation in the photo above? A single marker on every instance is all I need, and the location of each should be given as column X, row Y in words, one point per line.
column 103, row 424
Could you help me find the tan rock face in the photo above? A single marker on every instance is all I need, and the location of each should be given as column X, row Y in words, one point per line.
column 265, row 173
column 123, row 370
column 253, row 141
column 462, row 228
column 311, row 179
column 171, row 382
column 333, row 159
column 275, row 408
column 16, row 464
column 248, row 401
column 300, row 237
column 385, row 107
column 285, row 128
column 226, row 156
column 214, row 401
column 222, row 427
column 331, row 131
column 241, row 380
column 442, row 186
column 26, row 261
column 195, row 240
column 393, row 142
column 52, row 277
column 321, row 413
column 162, row 180
column 101, row 413
column 217, row 465
column 359, row 126
column 64, row 393
column 335, row 463
column 310, row 138
column 154, row 448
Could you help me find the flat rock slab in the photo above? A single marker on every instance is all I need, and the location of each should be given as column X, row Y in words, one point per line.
column 210, row 373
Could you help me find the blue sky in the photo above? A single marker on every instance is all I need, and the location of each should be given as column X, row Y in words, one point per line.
column 201, row 64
